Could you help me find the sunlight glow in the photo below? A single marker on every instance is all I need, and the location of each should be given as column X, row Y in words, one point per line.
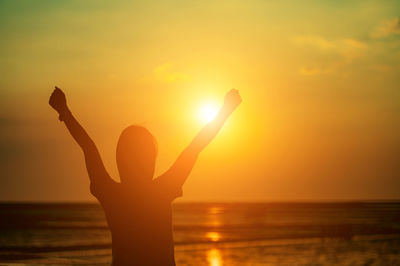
column 208, row 112
column 213, row 236
column 214, row 257
column 215, row 210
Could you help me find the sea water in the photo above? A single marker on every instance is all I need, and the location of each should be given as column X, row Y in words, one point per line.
column 342, row 233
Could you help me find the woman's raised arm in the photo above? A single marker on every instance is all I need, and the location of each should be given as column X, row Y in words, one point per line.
column 182, row 167
column 95, row 167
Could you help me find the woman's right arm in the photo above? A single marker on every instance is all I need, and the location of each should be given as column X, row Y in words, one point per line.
column 95, row 167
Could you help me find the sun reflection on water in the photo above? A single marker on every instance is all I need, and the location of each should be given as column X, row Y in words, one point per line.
column 215, row 210
column 213, row 236
column 214, row 216
column 214, row 257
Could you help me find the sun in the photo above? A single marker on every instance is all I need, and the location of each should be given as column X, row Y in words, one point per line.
column 208, row 111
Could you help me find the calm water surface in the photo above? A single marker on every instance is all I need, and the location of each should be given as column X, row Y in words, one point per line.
column 364, row 233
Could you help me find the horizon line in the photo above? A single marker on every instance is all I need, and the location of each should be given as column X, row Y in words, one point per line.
column 216, row 202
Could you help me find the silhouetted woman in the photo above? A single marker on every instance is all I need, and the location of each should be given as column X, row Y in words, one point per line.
column 138, row 209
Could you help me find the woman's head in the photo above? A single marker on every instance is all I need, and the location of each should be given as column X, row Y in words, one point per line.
column 136, row 155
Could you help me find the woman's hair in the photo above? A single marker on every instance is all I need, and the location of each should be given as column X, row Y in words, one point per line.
column 136, row 154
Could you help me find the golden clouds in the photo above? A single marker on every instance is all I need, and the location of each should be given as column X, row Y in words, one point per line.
column 341, row 52
column 386, row 29
column 347, row 48
column 311, row 71
column 167, row 74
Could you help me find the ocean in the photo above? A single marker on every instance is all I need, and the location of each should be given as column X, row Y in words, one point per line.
column 215, row 234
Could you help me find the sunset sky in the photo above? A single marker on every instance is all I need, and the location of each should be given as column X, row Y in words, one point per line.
column 320, row 82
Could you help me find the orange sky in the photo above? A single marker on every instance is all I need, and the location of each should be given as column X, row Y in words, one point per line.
column 320, row 86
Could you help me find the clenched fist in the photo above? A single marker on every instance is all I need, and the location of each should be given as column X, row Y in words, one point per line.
column 58, row 102
column 232, row 100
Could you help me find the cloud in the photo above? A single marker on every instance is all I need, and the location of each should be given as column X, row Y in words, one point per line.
column 314, row 41
column 382, row 68
column 351, row 48
column 319, row 70
column 386, row 29
column 310, row 71
column 347, row 48
column 166, row 73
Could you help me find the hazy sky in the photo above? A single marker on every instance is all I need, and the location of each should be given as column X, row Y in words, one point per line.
column 320, row 81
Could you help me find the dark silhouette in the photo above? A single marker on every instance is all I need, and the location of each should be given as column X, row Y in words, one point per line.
column 138, row 209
